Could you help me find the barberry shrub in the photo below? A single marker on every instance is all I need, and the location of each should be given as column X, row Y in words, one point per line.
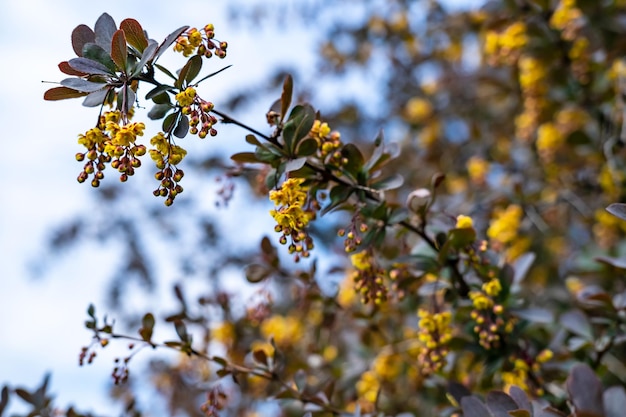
column 483, row 274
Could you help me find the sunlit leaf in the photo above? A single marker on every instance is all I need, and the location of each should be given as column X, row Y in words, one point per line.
column 119, row 50
column 134, row 34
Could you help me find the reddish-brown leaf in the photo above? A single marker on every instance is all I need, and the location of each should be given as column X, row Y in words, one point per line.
column 67, row 69
column 119, row 51
column 80, row 36
column 62, row 93
column 134, row 34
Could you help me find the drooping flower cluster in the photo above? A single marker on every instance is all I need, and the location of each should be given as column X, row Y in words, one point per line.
column 505, row 46
column 292, row 216
column 434, row 335
column 110, row 142
column 368, row 278
column 198, row 111
column 488, row 316
column 521, row 371
column 328, row 141
column 194, row 41
column 167, row 155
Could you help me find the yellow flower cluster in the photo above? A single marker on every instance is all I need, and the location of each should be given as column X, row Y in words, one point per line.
column 519, row 375
column 532, row 79
column 435, row 332
column 368, row 386
column 368, row 278
column 165, row 150
column 488, row 315
column 92, row 138
column 505, row 224
column 200, row 43
column 185, row 98
column 223, row 333
column 290, row 198
column 329, row 141
column 286, row 331
column 505, row 46
column 549, row 140
column 567, row 18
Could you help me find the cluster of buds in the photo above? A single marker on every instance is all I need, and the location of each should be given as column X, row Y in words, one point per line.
column 434, row 335
column 368, row 278
column 167, row 156
column 120, row 371
column 201, row 122
column 86, row 355
column 201, row 42
column 353, row 233
column 110, row 142
column 488, row 316
column 329, row 142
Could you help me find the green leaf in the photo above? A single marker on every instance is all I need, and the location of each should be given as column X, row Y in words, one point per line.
column 134, row 34
column 398, row 215
column 460, row 238
column 389, row 183
column 285, row 98
column 80, row 84
column 298, row 125
column 355, row 160
column 252, row 140
column 264, row 154
column 182, row 127
column 119, row 50
column 104, row 29
column 168, row 122
column 91, row 311
column 378, row 151
column 62, row 93
column 82, row 35
column 256, row 273
column 189, row 71
column 307, row 147
column 169, row 40
column 98, row 54
column 245, row 157
column 338, row 195
column 158, row 111
column 89, row 66
column 165, row 71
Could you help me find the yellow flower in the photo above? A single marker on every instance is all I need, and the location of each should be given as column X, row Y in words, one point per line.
column 319, row 130
column 549, row 137
column 367, row 386
column 285, row 330
column 185, row 98
column 464, row 222
column 223, row 333
column 361, row 260
column 290, row 197
column 492, row 288
column 480, row 300
column 505, row 224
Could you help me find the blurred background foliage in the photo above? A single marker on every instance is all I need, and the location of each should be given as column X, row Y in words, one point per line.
column 519, row 103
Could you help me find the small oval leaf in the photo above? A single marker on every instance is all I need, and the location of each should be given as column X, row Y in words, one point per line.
column 62, row 93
